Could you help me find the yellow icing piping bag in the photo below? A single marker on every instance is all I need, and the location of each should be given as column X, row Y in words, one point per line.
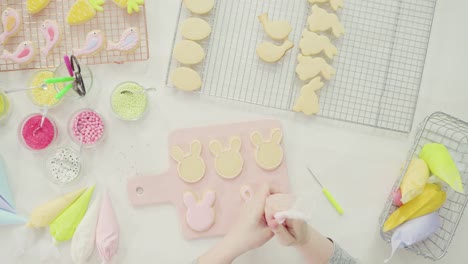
column 327, row 194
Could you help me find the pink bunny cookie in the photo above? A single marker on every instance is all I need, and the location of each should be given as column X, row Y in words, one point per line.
column 200, row 215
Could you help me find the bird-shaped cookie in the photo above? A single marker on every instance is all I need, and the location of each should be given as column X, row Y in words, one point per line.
column 24, row 53
column 95, row 42
column 129, row 41
column 308, row 101
column 51, row 32
column 277, row 30
column 11, row 20
column 36, row 6
column 131, row 5
column 270, row 52
column 84, row 10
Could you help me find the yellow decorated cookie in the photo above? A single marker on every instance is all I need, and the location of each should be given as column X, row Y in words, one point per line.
column 83, row 11
column 36, row 6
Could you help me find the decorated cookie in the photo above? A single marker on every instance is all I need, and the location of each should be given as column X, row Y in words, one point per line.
column 228, row 161
column 308, row 101
column 199, row 7
column 129, row 41
column 95, row 42
column 36, row 6
column 83, row 11
column 321, row 21
column 309, row 68
column 268, row 153
column 313, row 44
column 277, row 30
column 51, row 32
column 200, row 214
column 188, row 52
column 246, row 193
column 11, row 21
column 186, row 79
column 24, row 54
column 270, row 52
column 130, row 5
column 191, row 167
column 335, row 4
column 195, row 28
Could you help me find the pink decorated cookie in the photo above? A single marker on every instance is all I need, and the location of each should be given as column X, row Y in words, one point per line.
column 95, row 42
column 51, row 32
column 200, row 214
column 129, row 41
column 11, row 21
column 24, row 53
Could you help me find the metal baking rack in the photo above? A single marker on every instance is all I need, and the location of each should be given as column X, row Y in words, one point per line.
column 379, row 68
column 453, row 133
column 113, row 21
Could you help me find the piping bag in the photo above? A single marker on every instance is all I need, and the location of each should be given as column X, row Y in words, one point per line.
column 441, row 164
column 6, row 198
column 107, row 231
column 414, row 180
column 414, row 231
column 83, row 241
column 427, row 202
column 299, row 209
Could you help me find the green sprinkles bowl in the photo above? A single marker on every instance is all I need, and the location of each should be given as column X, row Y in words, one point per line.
column 129, row 101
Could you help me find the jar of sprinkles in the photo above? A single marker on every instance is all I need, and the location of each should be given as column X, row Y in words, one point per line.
column 5, row 106
column 43, row 96
column 63, row 166
column 86, row 127
column 36, row 137
column 129, row 101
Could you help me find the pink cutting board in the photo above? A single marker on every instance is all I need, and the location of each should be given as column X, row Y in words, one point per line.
column 168, row 187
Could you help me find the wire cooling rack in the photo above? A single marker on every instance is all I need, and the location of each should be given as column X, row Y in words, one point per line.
column 453, row 133
column 113, row 21
column 379, row 68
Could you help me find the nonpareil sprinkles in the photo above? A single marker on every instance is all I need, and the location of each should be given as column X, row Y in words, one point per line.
column 129, row 101
column 64, row 165
column 88, row 127
column 35, row 136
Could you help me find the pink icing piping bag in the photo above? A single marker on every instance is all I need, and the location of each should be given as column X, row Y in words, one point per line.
column 107, row 231
column 67, row 62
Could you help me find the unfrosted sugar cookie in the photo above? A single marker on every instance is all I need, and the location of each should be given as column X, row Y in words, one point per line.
column 270, row 52
column 228, row 161
column 191, row 167
column 268, row 153
column 200, row 215
column 199, row 7
column 186, row 79
column 321, row 21
column 313, row 44
column 309, row 68
column 189, row 52
column 195, row 28
column 308, row 101
column 335, row 4
column 277, row 30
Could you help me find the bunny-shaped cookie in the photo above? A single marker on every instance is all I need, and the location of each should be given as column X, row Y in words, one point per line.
column 321, row 20
column 268, row 154
column 191, row 166
column 308, row 101
column 228, row 162
column 200, row 215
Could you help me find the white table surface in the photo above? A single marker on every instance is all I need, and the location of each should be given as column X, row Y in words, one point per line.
column 358, row 164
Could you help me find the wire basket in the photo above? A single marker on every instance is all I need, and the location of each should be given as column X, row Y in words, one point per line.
column 112, row 22
column 453, row 133
column 379, row 68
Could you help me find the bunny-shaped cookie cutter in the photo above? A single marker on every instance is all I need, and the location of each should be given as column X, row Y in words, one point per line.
column 228, row 161
column 268, row 153
column 200, row 215
column 191, row 167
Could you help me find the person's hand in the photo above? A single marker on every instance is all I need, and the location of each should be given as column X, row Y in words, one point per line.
column 292, row 232
column 314, row 247
column 250, row 231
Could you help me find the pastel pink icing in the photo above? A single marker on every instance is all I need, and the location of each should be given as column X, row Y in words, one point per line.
column 200, row 215
column 107, row 231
